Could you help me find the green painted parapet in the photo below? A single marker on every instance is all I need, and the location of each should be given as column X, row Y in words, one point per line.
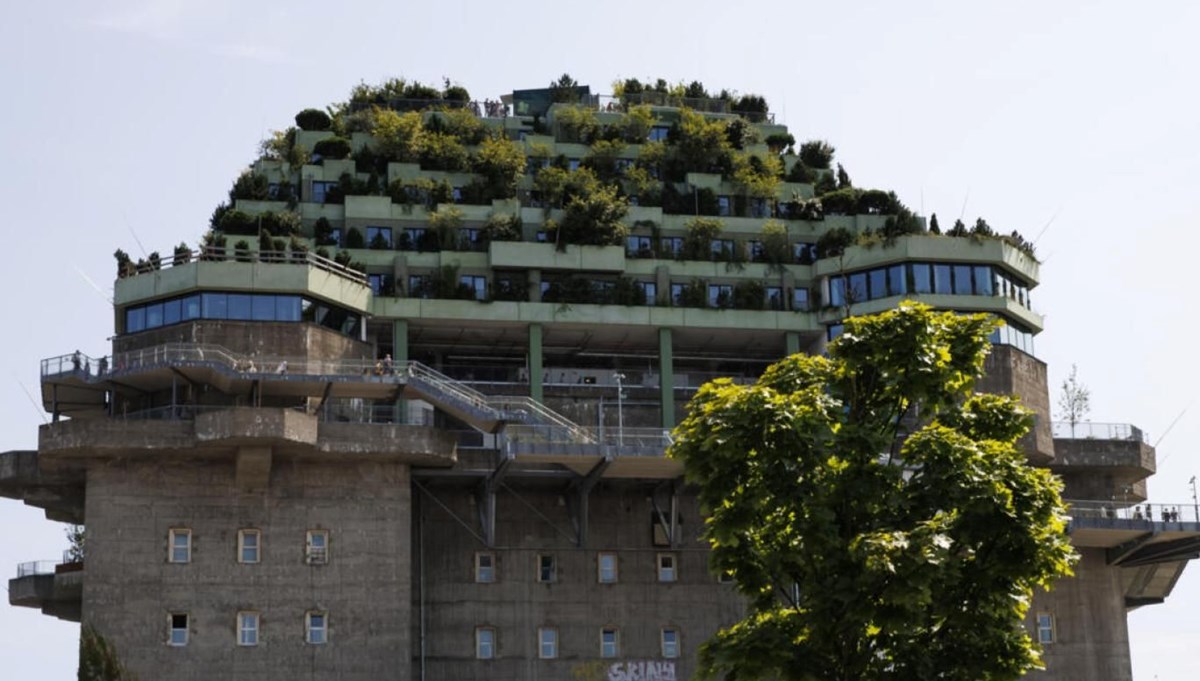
column 933, row 248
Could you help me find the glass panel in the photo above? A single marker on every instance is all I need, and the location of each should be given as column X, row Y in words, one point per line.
column 837, row 291
column 154, row 315
column 287, row 308
column 962, row 280
column 897, row 282
column 239, row 306
column 941, row 279
column 135, row 319
column 983, row 280
column 857, row 291
column 920, row 278
column 191, row 307
column 263, row 308
column 878, row 279
column 172, row 310
column 800, row 299
column 215, row 305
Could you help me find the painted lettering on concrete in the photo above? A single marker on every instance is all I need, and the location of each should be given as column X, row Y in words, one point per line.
column 642, row 670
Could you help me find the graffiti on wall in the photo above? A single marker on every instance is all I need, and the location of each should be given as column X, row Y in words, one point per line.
column 642, row 670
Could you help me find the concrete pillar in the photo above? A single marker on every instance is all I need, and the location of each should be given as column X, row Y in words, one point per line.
column 534, row 277
column 666, row 378
column 792, row 342
column 399, row 357
column 535, row 361
column 662, row 281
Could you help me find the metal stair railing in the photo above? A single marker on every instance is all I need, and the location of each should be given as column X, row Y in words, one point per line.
column 531, row 412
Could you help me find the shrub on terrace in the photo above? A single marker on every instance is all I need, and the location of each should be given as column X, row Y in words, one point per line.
column 817, row 154
column 313, row 119
column 333, row 148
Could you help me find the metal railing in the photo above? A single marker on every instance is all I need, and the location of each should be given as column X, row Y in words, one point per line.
column 226, row 253
column 1086, row 430
column 1164, row 513
column 36, row 567
column 487, row 108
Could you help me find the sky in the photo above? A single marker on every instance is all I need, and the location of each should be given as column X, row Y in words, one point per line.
column 1075, row 123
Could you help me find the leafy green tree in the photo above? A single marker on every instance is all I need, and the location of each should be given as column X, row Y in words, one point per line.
column 502, row 164
column 878, row 516
column 817, row 154
column 757, row 176
column 934, row 228
column 701, row 145
column 593, row 217
column 398, row 135
column 843, row 178
column 98, row 660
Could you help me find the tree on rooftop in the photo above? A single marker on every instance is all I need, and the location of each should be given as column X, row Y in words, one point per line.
column 817, row 154
column 1074, row 400
column 879, row 517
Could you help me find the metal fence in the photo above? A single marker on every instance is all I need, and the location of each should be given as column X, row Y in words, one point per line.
column 223, row 253
column 36, row 567
column 1163, row 513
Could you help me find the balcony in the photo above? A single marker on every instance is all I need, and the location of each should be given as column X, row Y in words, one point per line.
column 53, row 587
column 1103, row 460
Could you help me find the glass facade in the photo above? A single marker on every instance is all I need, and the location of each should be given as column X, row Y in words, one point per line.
column 257, row 307
column 923, row 278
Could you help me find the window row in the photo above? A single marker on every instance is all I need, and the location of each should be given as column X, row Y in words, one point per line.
column 487, row 644
column 642, row 246
column 249, row 546
column 1010, row 333
column 248, row 625
column 920, row 277
column 546, row 568
column 258, row 307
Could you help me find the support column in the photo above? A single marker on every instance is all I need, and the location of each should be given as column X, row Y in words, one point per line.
column 666, row 378
column 793, row 342
column 399, row 357
column 535, row 361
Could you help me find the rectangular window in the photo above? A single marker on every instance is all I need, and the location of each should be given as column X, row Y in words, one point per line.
column 774, row 298
column 547, row 569
column 472, row 239
column 941, row 279
column 677, row 294
column 983, row 280
column 666, row 567
column 672, row 245
column 191, row 307
column 319, row 189
column 239, row 306
column 897, row 282
column 249, row 542
column 649, row 291
column 247, row 628
column 135, row 319
column 803, row 253
column 379, row 237
column 720, row 295
column 800, row 299
column 920, row 278
column 316, row 547
column 485, row 643
column 316, row 627
column 178, row 635
column 962, row 280
column 154, row 316
column 670, row 643
column 547, row 643
column 172, row 310
column 180, row 546
column 878, row 283
column 418, row 286
column 262, row 308
column 638, row 246
column 856, row 290
column 724, row 206
column 476, row 283
column 1045, row 628
column 606, row 568
column 722, row 249
column 658, row 133
column 837, row 291
column 609, row 643
column 485, row 568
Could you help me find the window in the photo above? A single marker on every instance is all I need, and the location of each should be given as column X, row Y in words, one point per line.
column 800, row 299
column 547, row 569
column 897, row 281
column 485, row 568
column 609, row 642
column 249, row 543
column 316, row 547
column 722, row 249
column 754, row 249
column 670, row 643
column 837, row 291
column 485, row 643
column 135, row 320
column 672, row 245
column 547, row 643
column 472, row 239
column 804, row 253
column 316, row 627
column 379, row 237
column 606, row 568
column 381, row 284
column 724, row 577
column 941, row 279
column 677, row 294
column 476, row 283
column 658, row 133
column 720, row 295
column 180, row 550
column 319, row 190
column 247, row 623
column 774, row 298
column 962, row 280
column 857, row 291
column 649, row 291
column 666, row 567
column 419, row 287
column 572, row 164
column 1045, row 628
column 638, row 246
column 179, row 629
column 724, row 206
column 983, row 280
column 920, row 278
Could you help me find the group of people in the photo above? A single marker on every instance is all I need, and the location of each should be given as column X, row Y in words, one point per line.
column 385, row 366
column 247, row 366
column 1169, row 515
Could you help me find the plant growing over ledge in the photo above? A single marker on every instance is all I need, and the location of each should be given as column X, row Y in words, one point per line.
column 576, row 124
column 333, row 148
column 774, row 239
column 834, row 242
column 593, row 218
column 503, row 227
column 125, row 266
column 397, row 136
column 697, row 243
column 323, row 232
column 446, row 221
column 212, row 246
column 354, row 238
column 701, row 145
column 779, row 142
column 749, row 295
column 241, row 251
column 757, row 176
column 182, row 255
column 313, row 119
column 636, row 124
column 501, row 164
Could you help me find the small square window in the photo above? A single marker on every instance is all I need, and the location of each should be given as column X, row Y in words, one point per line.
column 178, row 635
column 670, row 643
column 606, row 568
column 1045, row 628
column 609, row 643
column 180, row 546
column 485, row 643
column 547, row 643
column 316, row 626
column 547, row 569
column 485, row 567
column 249, row 543
column 247, row 628
column 724, row 577
column 316, row 547
column 666, row 567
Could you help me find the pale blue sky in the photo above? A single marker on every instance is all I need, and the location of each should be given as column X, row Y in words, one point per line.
column 132, row 118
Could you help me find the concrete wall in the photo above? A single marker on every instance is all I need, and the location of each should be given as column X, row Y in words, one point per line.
column 365, row 587
column 1092, row 637
column 517, row 604
column 1012, row 372
column 254, row 339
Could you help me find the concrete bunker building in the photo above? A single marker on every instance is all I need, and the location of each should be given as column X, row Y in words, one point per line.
column 421, row 440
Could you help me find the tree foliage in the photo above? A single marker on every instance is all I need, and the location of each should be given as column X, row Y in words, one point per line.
column 878, row 516
column 98, row 659
column 1074, row 400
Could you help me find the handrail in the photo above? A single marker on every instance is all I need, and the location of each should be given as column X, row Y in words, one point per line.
column 1124, row 511
column 1086, row 430
column 36, row 567
column 227, row 253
